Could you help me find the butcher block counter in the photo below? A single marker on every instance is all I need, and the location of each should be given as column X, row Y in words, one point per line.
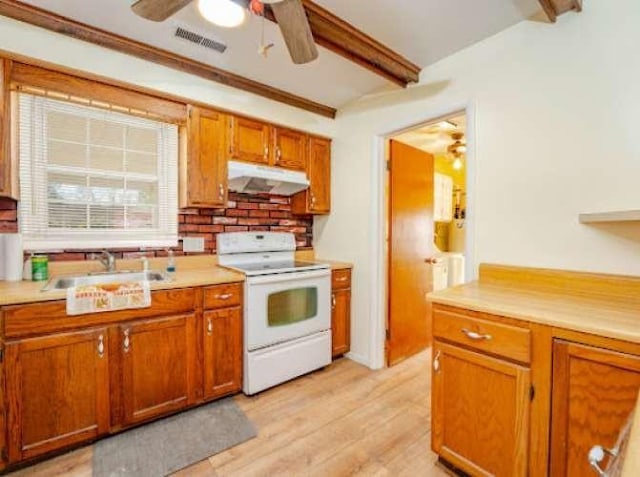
column 540, row 364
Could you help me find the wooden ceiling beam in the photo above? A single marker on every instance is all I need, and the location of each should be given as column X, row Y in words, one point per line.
column 66, row 26
column 342, row 38
column 555, row 8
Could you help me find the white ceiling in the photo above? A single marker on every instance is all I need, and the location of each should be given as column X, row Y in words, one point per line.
column 434, row 138
column 422, row 30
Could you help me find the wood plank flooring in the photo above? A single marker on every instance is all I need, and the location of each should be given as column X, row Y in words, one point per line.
column 345, row 420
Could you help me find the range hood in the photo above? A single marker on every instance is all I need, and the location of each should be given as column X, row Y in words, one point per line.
column 255, row 179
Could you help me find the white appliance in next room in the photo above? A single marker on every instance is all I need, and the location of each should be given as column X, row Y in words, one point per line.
column 287, row 313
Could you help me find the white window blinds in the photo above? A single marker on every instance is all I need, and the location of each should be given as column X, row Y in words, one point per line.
column 92, row 178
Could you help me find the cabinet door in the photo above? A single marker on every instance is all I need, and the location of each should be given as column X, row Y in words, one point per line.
column 340, row 322
column 57, row 392
column 316, row 199
column 222, row 352
column 157, row 366
column 205, row 177
column 290, row 149
column 594, row 391
column 480, row 412
column 249, row 140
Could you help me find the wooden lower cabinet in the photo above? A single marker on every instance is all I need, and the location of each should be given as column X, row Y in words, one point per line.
column 57, row 391
column 158, row 358
column 340, row 322
column 594, row 391
column 480, row 411
column 222, row 352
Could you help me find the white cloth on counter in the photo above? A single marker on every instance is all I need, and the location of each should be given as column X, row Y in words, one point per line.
column 108, row 297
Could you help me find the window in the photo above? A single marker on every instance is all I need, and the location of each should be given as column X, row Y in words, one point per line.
column 92, row 178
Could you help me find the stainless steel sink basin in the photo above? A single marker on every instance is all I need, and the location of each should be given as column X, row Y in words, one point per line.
column 62, row 283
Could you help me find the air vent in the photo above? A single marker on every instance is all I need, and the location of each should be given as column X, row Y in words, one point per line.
column 200, row 40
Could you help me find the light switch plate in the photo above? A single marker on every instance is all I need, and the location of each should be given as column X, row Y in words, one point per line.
column 193, row 244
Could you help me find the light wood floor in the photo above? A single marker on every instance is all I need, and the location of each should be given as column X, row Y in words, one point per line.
column 345, row 420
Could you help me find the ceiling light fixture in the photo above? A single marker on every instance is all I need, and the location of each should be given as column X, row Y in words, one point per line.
column 224, row 13
column 457, row 164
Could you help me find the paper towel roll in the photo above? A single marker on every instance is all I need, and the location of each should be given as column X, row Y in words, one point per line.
column 12, row 257
column 2, row 257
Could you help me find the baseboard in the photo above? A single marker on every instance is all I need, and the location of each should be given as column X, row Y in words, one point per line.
column 358, row 358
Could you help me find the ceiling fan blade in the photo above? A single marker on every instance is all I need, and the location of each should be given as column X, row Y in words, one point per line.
column 296, row 31
column 158, row 10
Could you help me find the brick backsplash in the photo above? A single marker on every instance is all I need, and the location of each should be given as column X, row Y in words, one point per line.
column 244, row 212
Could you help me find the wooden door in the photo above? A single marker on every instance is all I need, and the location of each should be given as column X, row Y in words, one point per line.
column 480, row 412
column 222, row 352
column 249, row 140
column 158, row 358
column 594, row 391
column 206, row 172
column 290, row 149
column 340, row 322
column 410, row 244
column 57, row 391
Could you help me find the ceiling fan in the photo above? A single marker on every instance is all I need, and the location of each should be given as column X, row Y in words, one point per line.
column 289, row 14
column 458, row 147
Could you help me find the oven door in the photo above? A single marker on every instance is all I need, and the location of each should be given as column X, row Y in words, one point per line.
column 285, row 306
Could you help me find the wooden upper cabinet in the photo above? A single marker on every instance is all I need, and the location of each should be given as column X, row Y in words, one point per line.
column 157, row 358
column 222, row 352
column 316, row 199
column 57, row 391
column 8, row 166
column 203, row 181
column 249, row 140
column 594, row 391
column 289, row 149
column 480, row 412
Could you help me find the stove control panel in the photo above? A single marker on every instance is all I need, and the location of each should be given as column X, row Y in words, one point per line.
column 245, row 242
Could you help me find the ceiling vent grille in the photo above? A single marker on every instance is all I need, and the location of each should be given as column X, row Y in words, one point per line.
column 200, row 40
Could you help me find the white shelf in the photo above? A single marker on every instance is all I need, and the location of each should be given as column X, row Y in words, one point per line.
column 612, row 216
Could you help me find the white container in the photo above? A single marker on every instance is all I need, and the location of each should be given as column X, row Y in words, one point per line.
column 12, row 257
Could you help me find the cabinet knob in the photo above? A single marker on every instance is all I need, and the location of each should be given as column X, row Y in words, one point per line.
column 266, row 152
column 221, row 191
column 126, row 343
column 436, row 362
column 209, row 326
column 333, row 300
column 224, row 296
column 101, row 346
column 278, row 154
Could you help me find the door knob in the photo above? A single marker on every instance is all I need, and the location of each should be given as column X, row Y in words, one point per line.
column 433, row 260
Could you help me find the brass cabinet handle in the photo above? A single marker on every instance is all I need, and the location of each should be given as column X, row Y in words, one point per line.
column 278, row 154
column 225, row 296
column 436, row 362
column 333, row 300
column 341, row 279
column 209, row 326
column 221, row 190
column 126, row 344
column 101, row 346
column 266, row 152
column 472, row 335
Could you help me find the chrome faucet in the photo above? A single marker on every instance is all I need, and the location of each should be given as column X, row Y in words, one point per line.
column 108, row 260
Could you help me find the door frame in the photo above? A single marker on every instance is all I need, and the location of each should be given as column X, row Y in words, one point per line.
column 379, row 217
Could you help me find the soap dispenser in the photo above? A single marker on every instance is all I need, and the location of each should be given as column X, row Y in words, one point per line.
column 171, row 264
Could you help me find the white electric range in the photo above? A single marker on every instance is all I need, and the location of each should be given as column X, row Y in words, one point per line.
column 287, row 312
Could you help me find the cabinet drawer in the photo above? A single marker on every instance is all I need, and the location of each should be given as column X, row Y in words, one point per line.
column 341, row 279
column 495, row 338
column 222, row 296
column 51, row 316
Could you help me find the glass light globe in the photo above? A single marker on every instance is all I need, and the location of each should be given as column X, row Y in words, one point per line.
column 224, row 13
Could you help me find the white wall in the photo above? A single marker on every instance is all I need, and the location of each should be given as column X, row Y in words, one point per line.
column 24, row 39
column 556, row 134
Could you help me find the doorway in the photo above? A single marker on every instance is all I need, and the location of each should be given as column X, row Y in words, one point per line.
column 426, row 212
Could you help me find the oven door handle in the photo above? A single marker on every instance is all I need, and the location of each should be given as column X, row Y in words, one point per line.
column 288, row 277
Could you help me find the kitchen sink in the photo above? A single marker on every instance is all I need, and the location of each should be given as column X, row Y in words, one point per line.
column 62, row 283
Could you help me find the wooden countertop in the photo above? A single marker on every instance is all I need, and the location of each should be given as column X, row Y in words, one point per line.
column 197, row 271
column 524, row 296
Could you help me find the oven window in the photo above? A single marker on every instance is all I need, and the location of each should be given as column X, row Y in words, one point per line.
column 292, row 306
